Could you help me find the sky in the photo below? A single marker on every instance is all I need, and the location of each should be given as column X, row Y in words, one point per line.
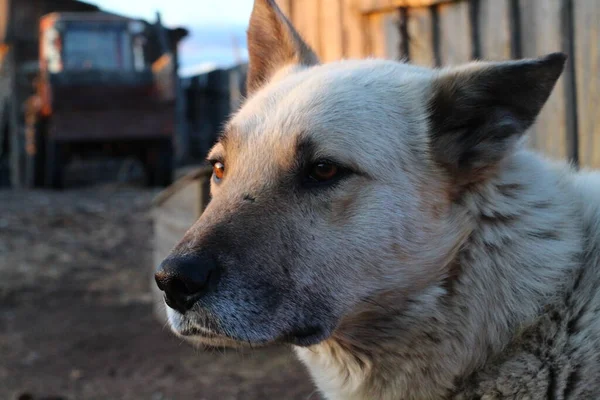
column 215, row 25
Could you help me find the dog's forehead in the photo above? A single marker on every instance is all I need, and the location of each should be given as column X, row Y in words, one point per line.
column 337, row 105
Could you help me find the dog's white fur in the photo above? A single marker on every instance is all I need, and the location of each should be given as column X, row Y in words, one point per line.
column 438, row 278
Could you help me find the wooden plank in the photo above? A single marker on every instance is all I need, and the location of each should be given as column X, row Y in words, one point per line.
column 404, row 40
column 373, row 6
column 331, row 30
column 354, row 28
column 306, row 19
column 494, row 29
column 376, row 36
column 184, row 201
column 540, row 22
column 568, row 36
column 516, row 47
column 587, row 73
column 4, row 20
column 384, row 38
column 168, row 234
column 420, row 37
column 171, row 230
column 179, row 221
column 192, row 175
column 455, row 33
column 392, row 33
column 286, row 7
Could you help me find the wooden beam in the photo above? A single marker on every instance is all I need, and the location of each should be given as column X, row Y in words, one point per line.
column 375, row 6
column 286, row 7
column 587, row 65
column 376, row 36
column 354, row 29
column 567, row 29
column 540, row 22
column 332, row 31
column 494, row 29
column 383, row 35
column 392, row 25
column 306, row 20
column 420, row 37
column 456, row 45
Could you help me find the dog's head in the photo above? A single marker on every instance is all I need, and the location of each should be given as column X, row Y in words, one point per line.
column 338, row 183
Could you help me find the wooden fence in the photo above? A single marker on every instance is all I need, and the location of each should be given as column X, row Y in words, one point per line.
column 446, row 32
column 209, row 99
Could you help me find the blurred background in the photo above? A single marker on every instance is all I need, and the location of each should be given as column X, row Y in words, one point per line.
column 107, row 111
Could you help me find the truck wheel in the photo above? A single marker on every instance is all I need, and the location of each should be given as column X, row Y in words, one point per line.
column 4, row 171
column 35, row 159
column 4, row 157
column 16, row 157
column 159, row 164
column 54, row 165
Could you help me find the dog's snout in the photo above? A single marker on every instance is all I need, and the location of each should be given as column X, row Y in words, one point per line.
column 184, row 279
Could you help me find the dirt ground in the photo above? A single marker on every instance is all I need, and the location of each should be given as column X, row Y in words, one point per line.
column 76, row 318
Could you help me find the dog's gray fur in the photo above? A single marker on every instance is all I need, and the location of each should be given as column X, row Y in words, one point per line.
column 452, row 263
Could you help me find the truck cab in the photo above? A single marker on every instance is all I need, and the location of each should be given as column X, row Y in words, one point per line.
column 96, row 93
column 100, row 84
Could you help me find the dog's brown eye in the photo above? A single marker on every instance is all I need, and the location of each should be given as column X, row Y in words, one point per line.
column 323, row 171
column 218, row 170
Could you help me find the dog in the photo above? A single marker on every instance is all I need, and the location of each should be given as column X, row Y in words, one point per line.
column 389, row 223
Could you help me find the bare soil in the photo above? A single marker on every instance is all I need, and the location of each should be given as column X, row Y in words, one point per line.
column 76, row 318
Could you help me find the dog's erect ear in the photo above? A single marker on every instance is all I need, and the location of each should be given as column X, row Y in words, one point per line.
column 479, row 111
column 273, row 43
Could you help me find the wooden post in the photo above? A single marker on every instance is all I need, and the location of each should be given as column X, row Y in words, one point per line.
column 354, row 30
column 331, row 24
column 420, row 36
column 392, row 25
column 540, row 22
column 455, row 34
column 286, row 7
column 587, row 74
column 371, row 6
column 384, row 35
column 376, row 35
column 306, row 20
column 571, row 118
column 494, row 29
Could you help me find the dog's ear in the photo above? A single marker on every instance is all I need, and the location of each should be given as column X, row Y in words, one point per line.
column 273, row 43
column 478, row 112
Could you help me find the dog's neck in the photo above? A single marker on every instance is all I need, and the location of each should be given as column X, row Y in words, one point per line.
column 518, row 259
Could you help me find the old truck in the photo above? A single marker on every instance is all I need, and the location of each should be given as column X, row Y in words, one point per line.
column 76, row 82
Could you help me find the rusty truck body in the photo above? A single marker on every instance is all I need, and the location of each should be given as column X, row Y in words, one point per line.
column 86, row 83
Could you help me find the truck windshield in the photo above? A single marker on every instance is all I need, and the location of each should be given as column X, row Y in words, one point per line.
column 97, row 49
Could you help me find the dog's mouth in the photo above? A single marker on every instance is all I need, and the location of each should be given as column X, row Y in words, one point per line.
column 303, row 337
column 209, row 339
column 185, row 327
column 197, row 332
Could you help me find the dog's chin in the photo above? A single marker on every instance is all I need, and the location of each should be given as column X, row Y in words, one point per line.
column 201, row 336
column 198, row 335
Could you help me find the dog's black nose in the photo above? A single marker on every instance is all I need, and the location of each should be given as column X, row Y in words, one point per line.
column 184, row 279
